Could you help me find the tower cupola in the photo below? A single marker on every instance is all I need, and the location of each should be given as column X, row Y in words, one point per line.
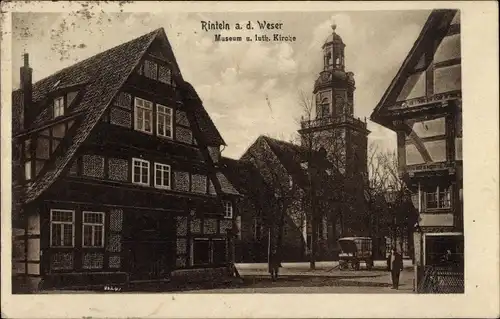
column 333, row 51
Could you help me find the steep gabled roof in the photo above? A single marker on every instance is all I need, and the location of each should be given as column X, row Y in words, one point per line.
column 245, row 177
column 101, row 77
column 432, row 30
column 292, row 156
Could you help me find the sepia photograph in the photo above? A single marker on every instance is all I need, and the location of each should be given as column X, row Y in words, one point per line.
column 211, row 152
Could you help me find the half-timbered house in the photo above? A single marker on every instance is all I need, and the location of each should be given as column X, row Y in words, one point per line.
column 116, row 173
column 423, row 105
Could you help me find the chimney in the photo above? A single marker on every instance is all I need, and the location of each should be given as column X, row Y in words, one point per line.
column 27, row 88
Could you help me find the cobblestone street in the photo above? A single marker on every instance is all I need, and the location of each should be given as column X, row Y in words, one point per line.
column 326, row 278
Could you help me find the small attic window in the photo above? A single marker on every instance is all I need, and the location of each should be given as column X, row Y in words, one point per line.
column 58, row 106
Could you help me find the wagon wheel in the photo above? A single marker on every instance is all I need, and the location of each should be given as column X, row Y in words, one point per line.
column 342, row 265
column 355, row 265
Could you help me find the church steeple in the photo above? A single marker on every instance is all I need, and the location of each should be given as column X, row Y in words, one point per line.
column 334, row 88
column 333, row 51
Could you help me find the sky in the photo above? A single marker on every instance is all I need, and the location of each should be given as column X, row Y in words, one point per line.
column 233, row 79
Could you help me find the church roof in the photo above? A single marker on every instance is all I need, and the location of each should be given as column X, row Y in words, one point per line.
column 333, row 38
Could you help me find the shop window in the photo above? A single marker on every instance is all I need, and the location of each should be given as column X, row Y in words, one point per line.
column 140, row 171
column 164, row 120
column 93, row 229
column 62, row 228
column 143, row 115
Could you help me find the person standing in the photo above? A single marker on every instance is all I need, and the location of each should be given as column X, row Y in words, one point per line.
column 396, row 266
column 274, row 264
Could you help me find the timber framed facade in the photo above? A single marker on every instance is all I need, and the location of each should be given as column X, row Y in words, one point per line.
column 423, row 105
column 116, row 174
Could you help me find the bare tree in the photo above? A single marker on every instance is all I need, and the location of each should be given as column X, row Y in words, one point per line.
column 390, row 197
column 327, row 191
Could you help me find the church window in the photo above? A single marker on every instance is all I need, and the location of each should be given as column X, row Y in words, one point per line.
column 324, row 107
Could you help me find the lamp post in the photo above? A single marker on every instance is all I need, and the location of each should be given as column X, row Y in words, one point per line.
column 390, row 199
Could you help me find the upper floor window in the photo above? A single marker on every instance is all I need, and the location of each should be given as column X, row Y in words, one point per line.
column 58, row 106
column 62, row 228
column 93, row 229
column 156, row 71
column 164, row 120
column 162, row 176
column 140, row 171
column 228, row 209
column 437, row 197
column 143, row 115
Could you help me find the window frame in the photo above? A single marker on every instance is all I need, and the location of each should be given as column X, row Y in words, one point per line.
column 145, row 110
column 440, row 192
column 228, row 213
column 72, row 223
column 156, row 165
column 211, row 246
column 142, row 161
column 103, row 214
column 170, row 124
column 59, row 107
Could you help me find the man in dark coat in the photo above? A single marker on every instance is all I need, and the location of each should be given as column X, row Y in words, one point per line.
column 274, row 264
column 395, row 264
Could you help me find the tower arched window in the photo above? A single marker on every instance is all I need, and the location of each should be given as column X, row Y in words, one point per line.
column 324, row 107
column 328, row 58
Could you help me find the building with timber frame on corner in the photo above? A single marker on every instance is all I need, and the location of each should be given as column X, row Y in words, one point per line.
column 423, row 105
column 116, row 174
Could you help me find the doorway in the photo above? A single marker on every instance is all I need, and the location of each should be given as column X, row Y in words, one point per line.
column 150, row 245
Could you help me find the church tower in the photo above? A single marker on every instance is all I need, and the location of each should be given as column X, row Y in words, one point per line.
column 333, row 127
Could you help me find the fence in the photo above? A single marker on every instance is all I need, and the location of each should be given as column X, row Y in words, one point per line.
column 441, row 280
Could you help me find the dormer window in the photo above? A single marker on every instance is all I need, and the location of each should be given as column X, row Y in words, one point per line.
column 58, row 106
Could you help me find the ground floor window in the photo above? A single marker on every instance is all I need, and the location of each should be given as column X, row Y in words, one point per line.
column 444, row 250
column 62, row 228
column 209, row 251
column 80, row 238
